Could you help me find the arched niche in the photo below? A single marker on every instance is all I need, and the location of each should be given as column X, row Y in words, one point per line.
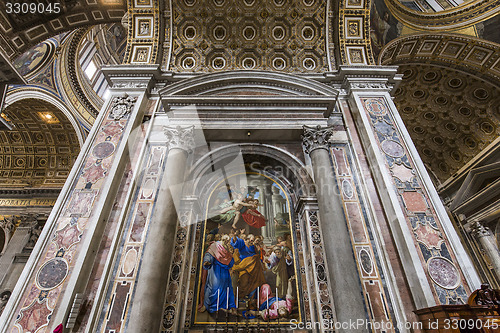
column 288, row 185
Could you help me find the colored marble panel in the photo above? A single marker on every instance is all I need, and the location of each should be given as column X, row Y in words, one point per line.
column 376, row 106
column 81, row 203
column 356, row 222
column 429, row 236
column 119, row 299
column 67, row 237
column 148, row 188
column 402, row 172
column 383, row 128
column 392, row 148
column 374, row 291
column 34, row 316
column 94, row 173
column 443, row 272
column 130, row 261
column 52, row 273
column 156, row 160
column 140, row 220
column 112, row 128
column 341, row 162
column 414, row 202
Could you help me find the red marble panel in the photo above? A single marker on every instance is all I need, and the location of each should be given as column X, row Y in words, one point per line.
column 356, row 222
column 140, row 220
column 114, row 320
column 414, row 202
column 34, row 316
column 67, row 237
column 81, row 203
column 94, row 173
column 340, row 162
column 429, row 236
column 376, row 299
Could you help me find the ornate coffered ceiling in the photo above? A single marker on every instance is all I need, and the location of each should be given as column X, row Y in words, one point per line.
column 465, row 14
column 41, row 149
column 450, row 115
column 20, row 32
column 451, row 50
column 277, row 35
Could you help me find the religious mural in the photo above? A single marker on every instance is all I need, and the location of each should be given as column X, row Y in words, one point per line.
column 384, row 27
column 247, row 265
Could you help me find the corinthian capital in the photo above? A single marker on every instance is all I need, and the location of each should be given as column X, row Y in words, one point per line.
column 316, row 138
column 479, row 230
column 180, row 137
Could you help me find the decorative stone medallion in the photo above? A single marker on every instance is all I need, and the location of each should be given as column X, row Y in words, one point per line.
column 366, row 261
column 52, row 273
column 103, row 150
column 393, row 148
column 443, row 272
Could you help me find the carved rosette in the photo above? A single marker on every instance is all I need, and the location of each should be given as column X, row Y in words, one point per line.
column 180, row 137
column 316, row 138
column 479, row 230
column 121, row 106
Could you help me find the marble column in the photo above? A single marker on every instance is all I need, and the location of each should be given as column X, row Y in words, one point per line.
column 147, row 308
column 486, row 239
column 343, row 273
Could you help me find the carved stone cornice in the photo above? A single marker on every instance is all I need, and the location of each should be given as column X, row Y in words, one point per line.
column 479, row 230
column 316, row 138
column 122, row 106
column 179, row 137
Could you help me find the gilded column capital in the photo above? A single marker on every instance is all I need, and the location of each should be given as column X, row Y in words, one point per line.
column 180, row 137
column 316, row 138
column 479, row 230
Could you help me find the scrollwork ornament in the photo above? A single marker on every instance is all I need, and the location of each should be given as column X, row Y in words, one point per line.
column 180, row 137
column 316, row 138
column 121, row 106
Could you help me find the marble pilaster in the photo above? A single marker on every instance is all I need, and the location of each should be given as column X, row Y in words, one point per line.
column 153, row 275
column 343, row 272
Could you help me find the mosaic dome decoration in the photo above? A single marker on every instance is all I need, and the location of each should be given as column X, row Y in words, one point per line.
column 213, row 35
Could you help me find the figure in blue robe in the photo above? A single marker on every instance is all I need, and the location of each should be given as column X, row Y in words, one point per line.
column 218, row 280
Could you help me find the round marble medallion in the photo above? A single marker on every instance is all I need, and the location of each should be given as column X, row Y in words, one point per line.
column 443, row 272
column 347, row 188
column 366, row 261
column 393, row 148
column 103, row 149
column 52, row 273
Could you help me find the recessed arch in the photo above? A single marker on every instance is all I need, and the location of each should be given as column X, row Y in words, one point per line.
column 17, row 95
column 40, row 149
column 263, row 155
